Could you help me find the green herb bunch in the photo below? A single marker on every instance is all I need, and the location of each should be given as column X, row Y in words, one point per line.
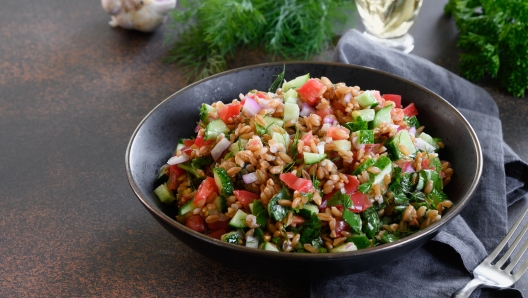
column 207, row 32
column 494, row 40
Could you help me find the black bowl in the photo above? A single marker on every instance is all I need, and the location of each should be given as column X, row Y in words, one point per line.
column 156, row 137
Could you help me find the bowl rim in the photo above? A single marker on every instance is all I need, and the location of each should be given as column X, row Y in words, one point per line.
column 421, row 234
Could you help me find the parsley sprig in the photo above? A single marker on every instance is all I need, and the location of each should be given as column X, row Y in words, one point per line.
column 494, row 40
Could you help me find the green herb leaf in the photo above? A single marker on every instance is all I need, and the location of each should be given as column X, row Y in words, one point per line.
column 494, row 40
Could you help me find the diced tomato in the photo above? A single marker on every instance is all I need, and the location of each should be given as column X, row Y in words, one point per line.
column 394, row 98
column 332, row 132
column 188, row 143
column 307, row 138
column 324, row 112
column 361, row 202
column 217, row 234
column 405, row 165
column 187, row 151
column 299, row 184
column 338, row 106
column 341, row 225
column 177, row 170
column 174, row 173
column 196, row 223
column 205, row 191
column 229, row 111
column 372, row 148
column 410, row 110
column 217, row 225
column 200, row 142
column 260, row 95
column 310, row 91
column 245, row 197
column 352, row 184
column 425, row 163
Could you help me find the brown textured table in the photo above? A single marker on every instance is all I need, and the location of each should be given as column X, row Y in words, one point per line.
column 72, row 90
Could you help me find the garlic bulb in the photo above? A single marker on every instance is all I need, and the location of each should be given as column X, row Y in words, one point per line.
column 142, row 15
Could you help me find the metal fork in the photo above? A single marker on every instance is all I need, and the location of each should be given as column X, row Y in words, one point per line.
column 489, row 274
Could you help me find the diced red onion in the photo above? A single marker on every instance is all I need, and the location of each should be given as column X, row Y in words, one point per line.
column 329, row 119
column 412, row 131
column 178, row 159
column 321, row 147
column 347, row 97
column 220, row 148
column 250, row 178
column 306, row 110
column 197, row 128
column 251, row 107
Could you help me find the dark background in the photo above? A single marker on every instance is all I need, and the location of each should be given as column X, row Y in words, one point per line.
column 72, row 91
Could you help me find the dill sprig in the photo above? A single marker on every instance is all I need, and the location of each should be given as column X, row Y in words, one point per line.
column 208, row 32
column 494, row 40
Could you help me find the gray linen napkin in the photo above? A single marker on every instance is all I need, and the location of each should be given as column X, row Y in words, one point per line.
column 444, row 264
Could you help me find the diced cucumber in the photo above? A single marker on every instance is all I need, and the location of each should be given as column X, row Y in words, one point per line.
column 312, row 208
column 164, row 194
column 238, row 146
column 231, row 237
column 163, row 174
column 291, row 112
column 272, row 122
column 411, row 121
column 295, row 83
column 342, row 145
column 311, row 158
column 424, row 146
column 432, row 175
column 221, row 204
column 429, row 140
column 349, row 246
column 252, row 242
column 355, row 126
column 362, row 167
column 290, row 96
column 383, row 115
column 366, row 99
column 385, row 165
column 282, row 138
column 223, row 181
column 363, row 115
column 269, row 246
column 365, row 136
column 215, row 128
column 250, row 205
column 204, row 112
column 187, row 208
column 361, row 241
column 239, row 220
column 402, row 137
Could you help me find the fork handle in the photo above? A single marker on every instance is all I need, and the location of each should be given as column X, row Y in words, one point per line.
column 468, row 289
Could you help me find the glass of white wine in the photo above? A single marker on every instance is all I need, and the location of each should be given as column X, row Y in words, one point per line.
column 388, row 21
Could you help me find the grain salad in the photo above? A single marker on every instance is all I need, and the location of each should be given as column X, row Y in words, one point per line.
column 308, row 166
